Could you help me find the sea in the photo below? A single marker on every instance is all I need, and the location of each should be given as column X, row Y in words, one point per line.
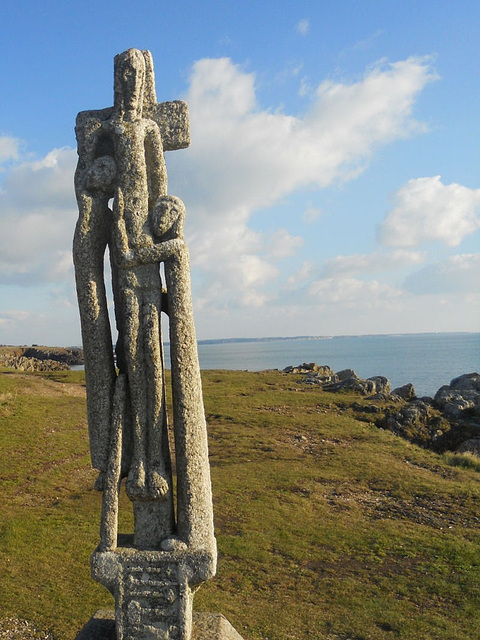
column 427, row 360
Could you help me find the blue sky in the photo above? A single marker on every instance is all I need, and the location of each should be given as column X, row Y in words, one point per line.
column 333, row 181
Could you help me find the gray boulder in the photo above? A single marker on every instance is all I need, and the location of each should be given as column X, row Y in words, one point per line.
column 344, row 380
column 467, row 382
column 348, row 380
column 315, row 374
column 382, row 384
column 449, row 421
column 407, row 391
column 347, row 374
column 418, row 422
column 460, row 399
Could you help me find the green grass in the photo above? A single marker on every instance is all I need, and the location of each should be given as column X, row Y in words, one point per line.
column 327, row 527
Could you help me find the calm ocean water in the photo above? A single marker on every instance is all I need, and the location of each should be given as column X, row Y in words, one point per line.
column 427, row 360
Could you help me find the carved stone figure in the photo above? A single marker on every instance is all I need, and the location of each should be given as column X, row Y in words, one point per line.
column 121, row 188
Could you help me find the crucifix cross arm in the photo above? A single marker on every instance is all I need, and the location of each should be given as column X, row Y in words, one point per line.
column 174, row 123
column 171, row 117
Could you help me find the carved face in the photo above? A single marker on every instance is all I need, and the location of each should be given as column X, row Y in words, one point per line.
column 129, row 81
column 167, row 218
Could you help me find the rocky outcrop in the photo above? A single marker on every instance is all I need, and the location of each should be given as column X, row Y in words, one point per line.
column 448, row 421
column 460, row 400
column 21, row 363
column 69, row 355
column 345, row 380
column 419, row 422
column 314, row 373
column 406, row 392
column 348, row 380
column 36, row 358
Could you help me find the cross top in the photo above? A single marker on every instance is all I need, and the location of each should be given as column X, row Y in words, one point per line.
column 135, row 82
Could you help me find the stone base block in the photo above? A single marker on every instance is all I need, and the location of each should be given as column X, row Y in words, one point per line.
column 101, row 626
column 206, row 626
column 213, row 626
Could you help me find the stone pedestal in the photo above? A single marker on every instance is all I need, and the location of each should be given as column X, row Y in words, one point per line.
column 153, row 593
column 205, row 626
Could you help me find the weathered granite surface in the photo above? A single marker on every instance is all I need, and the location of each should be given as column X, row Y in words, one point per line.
column 121, row 189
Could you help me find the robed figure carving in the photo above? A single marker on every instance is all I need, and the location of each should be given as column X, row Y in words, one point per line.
column 121, row 189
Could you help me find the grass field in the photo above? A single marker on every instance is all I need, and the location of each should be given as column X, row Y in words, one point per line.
column 328, row 528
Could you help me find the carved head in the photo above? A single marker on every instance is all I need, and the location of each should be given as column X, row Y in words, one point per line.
column 167, row 218
column 129, row 82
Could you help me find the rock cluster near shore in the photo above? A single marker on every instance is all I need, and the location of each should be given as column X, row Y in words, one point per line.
column 21, row 363
column 448, row 421
column 40, row 358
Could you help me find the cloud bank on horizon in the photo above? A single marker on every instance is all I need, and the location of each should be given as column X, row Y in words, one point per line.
column 255, row 270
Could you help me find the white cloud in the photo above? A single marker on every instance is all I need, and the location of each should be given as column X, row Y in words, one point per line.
column 37, row 219
column 397, row 314
column 11, row 318
column 9, row 149
column 371, row 263
column 457, row 274
column 244, row 159
column 227, row 263
column 283, row 245
column 40, row 326
column 303, row 27
column 427, row 210
column 352, row 293
column 252, row 157
column 237, row 284
column 301, row 276
column 350, row 120
column 305, row 88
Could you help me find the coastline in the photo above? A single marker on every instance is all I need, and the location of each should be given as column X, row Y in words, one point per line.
column 331, row 337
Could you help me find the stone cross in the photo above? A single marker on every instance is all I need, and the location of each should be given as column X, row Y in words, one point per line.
column 121, row 189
